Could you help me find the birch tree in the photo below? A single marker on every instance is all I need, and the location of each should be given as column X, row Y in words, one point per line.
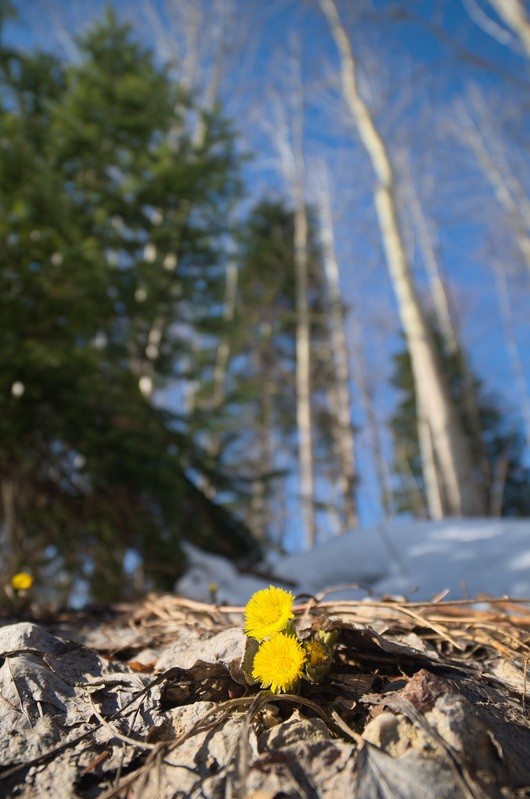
column 287, row 134
column 303, row 343
column 264, row 348
column 460, row 492
column 507, row 490
column 514, row 14
column 341, row 395
column 263, row 368
column 444, row 319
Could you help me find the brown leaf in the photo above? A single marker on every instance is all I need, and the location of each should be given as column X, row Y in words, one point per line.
column 141, row 668
column 423, row 689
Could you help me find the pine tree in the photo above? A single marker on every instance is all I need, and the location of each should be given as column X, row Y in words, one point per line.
column 111, row 266
column 506, row 483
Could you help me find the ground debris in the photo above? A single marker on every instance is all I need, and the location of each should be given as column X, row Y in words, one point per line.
column 423, row 700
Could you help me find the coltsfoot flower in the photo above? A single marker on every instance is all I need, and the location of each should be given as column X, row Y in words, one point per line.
column 22, row 581
column 278, row 663
column 268, row 612
column 318, row 660
column 317, row 653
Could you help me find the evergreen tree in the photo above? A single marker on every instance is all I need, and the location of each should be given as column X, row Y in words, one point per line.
column 497, row 454
column 111, row 265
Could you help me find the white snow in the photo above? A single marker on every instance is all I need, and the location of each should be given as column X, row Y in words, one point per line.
column 418, row 560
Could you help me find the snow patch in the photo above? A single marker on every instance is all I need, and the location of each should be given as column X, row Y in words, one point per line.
column 413, row 559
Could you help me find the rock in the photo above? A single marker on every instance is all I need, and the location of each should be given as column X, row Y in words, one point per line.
column 52, row 690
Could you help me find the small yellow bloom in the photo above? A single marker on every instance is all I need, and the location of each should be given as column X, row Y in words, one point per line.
column 212, row 588
column 318, row 660
column 268, row 611
column 22, row 581
column 317, row 654
column 278, row 663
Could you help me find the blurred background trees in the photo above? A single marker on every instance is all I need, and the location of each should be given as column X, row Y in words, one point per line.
column 112, row 266
column 495, row 444
column 220, row 222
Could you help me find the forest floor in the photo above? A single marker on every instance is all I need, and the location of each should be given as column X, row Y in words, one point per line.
column 423, row 700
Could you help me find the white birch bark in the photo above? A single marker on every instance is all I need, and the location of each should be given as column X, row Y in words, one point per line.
column 342, row 428
column 303, row 364
column 436, row 501
column 437, row 285
column 287, row 133
column 448, row 440
column 451, row 338
column 514, row 14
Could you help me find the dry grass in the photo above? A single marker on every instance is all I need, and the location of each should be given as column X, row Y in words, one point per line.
column 458, row 627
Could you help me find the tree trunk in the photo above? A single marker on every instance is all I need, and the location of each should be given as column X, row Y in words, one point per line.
column 303, row 365
column 513, row 14
column 11, row 549
column 448, row 440
column 289, row 140
column 437, row 285
column 434, row 490
column 450, row 336
column 342, row 427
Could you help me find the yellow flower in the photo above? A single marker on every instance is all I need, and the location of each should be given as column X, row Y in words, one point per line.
column 21, row 581
column 278, row 663
column 318, row 660
column 268, row 611
column 317, row 654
